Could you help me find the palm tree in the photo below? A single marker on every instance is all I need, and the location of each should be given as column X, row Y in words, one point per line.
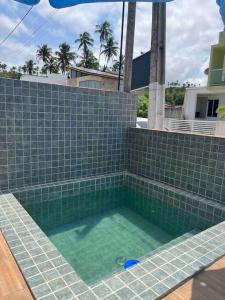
column 43, row 53
column 89, row 61
column 110, row 49
column 24, row 69
column 3, row 67
column 116, row 64
column 30, row 66
column 85, row 41
column 64, row 56
column 50, row 65
column 105, row 32
column 20, row 69
column 13, row 69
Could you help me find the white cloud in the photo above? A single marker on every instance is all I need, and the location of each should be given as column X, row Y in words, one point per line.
column 12, row 47
column 8, row 24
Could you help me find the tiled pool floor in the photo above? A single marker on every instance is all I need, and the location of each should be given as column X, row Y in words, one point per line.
column 97, row 232
column 98, row 245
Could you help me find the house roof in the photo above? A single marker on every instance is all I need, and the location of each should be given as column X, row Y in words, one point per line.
column 94, row 72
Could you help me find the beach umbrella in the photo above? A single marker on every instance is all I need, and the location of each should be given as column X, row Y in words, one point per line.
column 67, row 3
column 221, row 4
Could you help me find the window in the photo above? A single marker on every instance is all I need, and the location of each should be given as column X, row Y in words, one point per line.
column 75, row 74
column 92, row 84
column 212, row 108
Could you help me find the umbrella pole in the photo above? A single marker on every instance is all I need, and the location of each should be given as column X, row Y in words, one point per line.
column 121, row 46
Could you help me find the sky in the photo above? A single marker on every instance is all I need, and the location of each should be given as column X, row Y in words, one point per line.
column 192, row 27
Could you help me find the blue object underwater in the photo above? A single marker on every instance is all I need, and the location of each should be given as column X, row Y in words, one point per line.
column 130, row 263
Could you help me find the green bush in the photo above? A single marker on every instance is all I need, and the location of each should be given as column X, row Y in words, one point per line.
column 173, row 96
column 221, row 112
column 10, row 74
column 142, row 109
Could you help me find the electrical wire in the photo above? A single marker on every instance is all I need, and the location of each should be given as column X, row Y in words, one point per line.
column 36, row 32
column 16, row 26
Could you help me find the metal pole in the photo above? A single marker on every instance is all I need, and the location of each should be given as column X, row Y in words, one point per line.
column 121, row 46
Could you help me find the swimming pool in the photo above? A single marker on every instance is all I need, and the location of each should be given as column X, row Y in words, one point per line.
column 89, row 227
column 98, row 231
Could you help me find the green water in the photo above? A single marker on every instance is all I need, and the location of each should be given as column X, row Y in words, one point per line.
column 96, row 232
column 94, row 245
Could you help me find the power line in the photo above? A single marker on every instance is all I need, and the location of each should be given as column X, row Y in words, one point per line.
column 17, row 25
column 36, row 32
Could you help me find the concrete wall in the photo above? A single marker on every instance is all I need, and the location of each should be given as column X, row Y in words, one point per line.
column 110, row 84
column 174, row 112
column 190, row 162
column 50, row 78
column 51, row 133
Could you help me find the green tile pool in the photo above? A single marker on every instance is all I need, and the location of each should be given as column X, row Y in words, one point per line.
column 98, row 231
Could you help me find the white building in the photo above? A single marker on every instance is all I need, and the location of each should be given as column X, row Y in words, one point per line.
column 201, row 103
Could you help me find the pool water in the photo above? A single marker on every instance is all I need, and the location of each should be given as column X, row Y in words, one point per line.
column 97, row 245
column 98, row 231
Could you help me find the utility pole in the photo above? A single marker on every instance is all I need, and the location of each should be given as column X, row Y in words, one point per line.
column 156, row 109
column 121, row 46
column 129, row 46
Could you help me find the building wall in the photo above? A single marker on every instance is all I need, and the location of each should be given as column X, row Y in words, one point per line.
column 50, row 78
column 174, row 112
column 51, row 133
column 110, row 84
column 191, row 96
column 190, row 162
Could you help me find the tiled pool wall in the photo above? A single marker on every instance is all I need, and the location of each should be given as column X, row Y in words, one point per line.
column 52, row 191
column 206, row 212
column 51, row 133
column 51, row 277
column 194, row 163
column 198, row 211
column 66, row 202
column 56, row 141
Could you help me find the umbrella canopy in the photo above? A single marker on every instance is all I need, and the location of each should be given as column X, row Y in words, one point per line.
column 221, row 4
column 67, row 3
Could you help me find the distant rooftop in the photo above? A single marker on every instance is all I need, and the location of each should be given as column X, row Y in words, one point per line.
column 94, row 72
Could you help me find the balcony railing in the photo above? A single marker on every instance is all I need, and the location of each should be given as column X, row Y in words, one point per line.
column 217, row 77
column 191, row 126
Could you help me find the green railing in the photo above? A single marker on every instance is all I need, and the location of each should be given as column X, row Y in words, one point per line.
column 217, row 77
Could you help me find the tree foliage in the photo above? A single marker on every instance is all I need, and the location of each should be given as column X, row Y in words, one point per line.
column 221, row 111
column 43, row 53
column 85, row 43
column 49, row 61
column 10, row 74
column 64, row 56
column 142, row 107
column 30, row 67
column 175, row 95
column 110, row 49
column 51, row 65
column 89, row 61
column 105, row 32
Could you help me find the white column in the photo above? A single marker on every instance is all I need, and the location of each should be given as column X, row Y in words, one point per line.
column 156, row 111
